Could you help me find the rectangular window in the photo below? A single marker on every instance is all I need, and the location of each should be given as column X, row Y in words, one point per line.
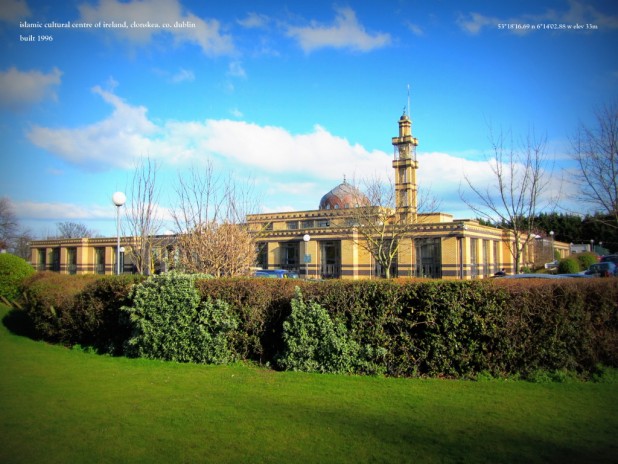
column 486, row 249
column 323, row 223
column 99, row 260
column 72, row 260
column 262, row 255
column 330, row 259
column 473, row 258
column 290, row 255
column 428, row 257
column 55, row 260
column 42, row 261
column 292, row 225
column 308, row 224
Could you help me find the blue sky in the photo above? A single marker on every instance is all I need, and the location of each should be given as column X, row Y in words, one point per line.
column 287, row 96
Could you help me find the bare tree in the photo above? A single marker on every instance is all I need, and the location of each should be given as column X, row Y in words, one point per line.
column 516, row 195
column 20, row 245
column 70, row 229
column 209, row 218
column 8, row 223
column 220, row 249
column 142, row 218
column 595, row 149
column 13, row 238
column 378, row 229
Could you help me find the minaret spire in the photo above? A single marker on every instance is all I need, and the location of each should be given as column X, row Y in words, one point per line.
column 408, row 100
column 405, row 166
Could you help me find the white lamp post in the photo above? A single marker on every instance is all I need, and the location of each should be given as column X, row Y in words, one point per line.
column 551, row 234
column 306, row 239
column 119, row 199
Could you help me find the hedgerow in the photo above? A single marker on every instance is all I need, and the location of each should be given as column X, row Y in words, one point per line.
column 404, row 328
column 48, row 302
column 96, row 319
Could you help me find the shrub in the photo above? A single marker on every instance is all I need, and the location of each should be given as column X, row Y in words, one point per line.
column 49, row 299
column 95, row 318
column 313, row 342
column 169, row 323
column 586, row 260
column 568, row 266
column 261, row 306
column 13, row 270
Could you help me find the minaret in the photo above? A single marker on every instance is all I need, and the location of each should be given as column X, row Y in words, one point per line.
column 405, row 166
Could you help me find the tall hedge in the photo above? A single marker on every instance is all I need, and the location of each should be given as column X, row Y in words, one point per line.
column 413, row 328
column 49, row 299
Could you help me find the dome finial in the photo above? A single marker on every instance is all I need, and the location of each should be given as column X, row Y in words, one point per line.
column 344, row 179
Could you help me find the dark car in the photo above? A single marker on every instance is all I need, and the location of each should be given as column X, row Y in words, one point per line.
column 546, row 276
column 536, row 276
column 610, row 259
column 276, row 274
column 603, row 269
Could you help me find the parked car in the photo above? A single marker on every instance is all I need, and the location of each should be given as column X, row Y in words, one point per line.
column 276, row 274
column 610, row 258
column 545, row 276
column 603, row 269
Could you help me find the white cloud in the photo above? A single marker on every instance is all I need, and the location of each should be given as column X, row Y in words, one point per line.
column 254, row 21
column 59, row 211
column 414, row 28
column 273, row 149
column 115, row 141
column 23, row 88
column 14, row 10
column 203, row 32
column 236, row 113
column 183, row 75
column 307, row 161
column 346, row 32
column 474, row 22
column 583, row 13
column 445, row 175
column 295, row 188
column 236, row 69
column 577, row 13
column 62, row 211
column 128, row 133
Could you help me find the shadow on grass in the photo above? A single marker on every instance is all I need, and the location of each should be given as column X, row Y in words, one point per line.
column 18, row 323
column 452, row 439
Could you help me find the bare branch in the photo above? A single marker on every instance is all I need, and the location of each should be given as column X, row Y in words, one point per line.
column 595, row 149
column 377, row 228
column 209, row 217
column 517, row 194
column 143, row 220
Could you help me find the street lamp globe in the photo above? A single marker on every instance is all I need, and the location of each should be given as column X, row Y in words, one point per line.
column 119, row 199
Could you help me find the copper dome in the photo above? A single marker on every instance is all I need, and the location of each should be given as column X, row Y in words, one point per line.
column 343, row 196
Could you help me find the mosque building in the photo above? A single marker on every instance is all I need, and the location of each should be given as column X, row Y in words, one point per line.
column 346, row 237
column 336, row 241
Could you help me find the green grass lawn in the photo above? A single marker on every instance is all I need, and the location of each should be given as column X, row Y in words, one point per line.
column 65, row 406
